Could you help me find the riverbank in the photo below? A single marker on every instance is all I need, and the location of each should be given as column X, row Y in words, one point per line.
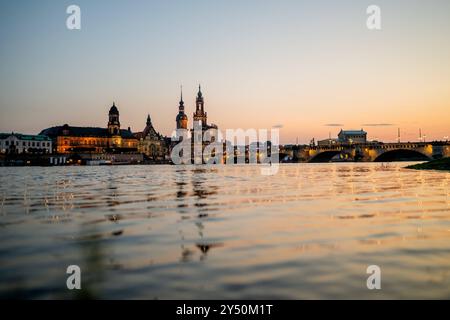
column 440, row 164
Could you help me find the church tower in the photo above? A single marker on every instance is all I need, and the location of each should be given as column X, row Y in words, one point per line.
column 182, row 119
column 113, row 123
column 200, row 114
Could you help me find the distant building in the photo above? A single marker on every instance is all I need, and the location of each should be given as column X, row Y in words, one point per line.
column 352, row 136
column 17, row 143
column 151, row 143
column 201, row 131
column 327, row 142
column 181, row 119
column 200, row 116
column 112, row 139
column 207, row 133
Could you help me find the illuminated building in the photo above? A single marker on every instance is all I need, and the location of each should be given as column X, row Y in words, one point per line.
column 352, row 136
column 69, row 139
column 151, row 143
column 17, row 143
column 181, row 119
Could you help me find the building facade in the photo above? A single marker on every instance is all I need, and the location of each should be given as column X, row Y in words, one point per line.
column 16, row 143
column 327, row 142
column 151, row 143
column 112, row 139
column 352, row 136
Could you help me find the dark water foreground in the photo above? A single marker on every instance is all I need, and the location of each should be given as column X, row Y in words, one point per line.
column 225, row 232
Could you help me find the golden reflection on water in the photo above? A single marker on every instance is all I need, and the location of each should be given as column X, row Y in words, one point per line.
column 225, row 231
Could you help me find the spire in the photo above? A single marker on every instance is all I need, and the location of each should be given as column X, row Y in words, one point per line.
column 199, row 94
column 149, row 121
column 181, row 95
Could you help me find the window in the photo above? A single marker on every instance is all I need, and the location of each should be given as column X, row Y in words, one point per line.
column 7, row 143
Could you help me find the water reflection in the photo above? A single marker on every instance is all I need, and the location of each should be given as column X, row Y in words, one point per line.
column 224, row 231
column 194, row 201
column 92, row 265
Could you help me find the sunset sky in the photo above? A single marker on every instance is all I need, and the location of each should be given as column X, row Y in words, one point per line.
column 311, row 67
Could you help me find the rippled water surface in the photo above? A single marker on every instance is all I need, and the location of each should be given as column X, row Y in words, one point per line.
column 225, row 232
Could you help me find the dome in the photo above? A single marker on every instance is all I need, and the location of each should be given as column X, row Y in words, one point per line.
column 113, row 109
column 181, row 116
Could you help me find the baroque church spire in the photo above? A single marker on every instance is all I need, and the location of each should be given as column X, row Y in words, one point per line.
column 181, row 106
column 181, row 118
column 199, row 94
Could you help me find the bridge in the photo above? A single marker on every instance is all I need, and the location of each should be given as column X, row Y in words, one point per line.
column 374, row 152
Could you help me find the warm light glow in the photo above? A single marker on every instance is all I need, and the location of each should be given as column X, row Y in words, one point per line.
column 311, row 72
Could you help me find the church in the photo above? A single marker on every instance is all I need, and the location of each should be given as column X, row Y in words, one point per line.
column 200, row 119
column 202, row 134
column 151, row 143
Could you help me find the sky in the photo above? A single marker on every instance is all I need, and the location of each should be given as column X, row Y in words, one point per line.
column 308, row 67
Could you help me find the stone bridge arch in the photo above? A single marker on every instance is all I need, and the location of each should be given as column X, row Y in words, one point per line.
column 402, row 155
column 324, row 156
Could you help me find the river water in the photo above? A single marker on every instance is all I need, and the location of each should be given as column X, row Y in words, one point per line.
column 226, row 232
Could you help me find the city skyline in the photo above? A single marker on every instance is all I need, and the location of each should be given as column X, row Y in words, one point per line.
column 334, row 129
column 308, row 68
column 216, row 154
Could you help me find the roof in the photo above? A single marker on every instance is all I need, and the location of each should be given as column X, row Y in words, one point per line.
column 28, row 137
column 113, row 109
column 181, row 116
column 84, row 132
column 351, row 132
column 149, row 131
